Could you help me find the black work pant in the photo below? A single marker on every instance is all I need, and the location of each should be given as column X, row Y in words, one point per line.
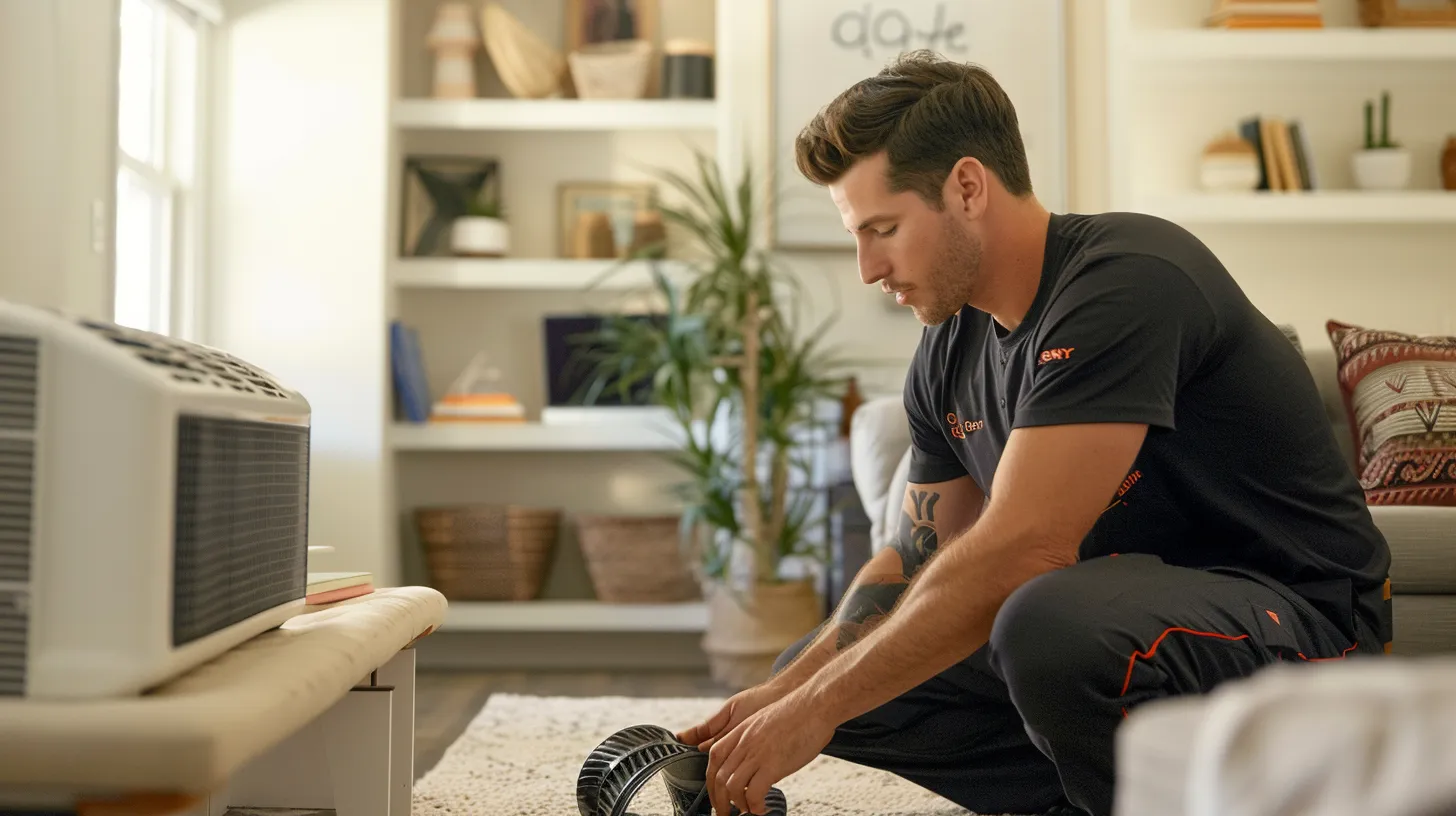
column 1027, row 722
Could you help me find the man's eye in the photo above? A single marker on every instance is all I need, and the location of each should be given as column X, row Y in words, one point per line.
column 887, row 233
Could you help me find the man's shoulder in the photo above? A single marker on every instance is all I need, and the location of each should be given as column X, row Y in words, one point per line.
column 1157, row 256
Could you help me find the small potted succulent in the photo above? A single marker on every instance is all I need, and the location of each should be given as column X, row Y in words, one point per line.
column 1382, row 164
column 482, row 232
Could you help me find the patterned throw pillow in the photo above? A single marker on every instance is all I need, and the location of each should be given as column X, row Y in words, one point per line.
column 1400, row 393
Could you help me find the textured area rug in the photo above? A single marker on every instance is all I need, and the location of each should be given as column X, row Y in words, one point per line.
column 521, row 755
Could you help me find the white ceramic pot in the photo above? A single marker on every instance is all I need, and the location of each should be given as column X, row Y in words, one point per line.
column 478, row 236
column 1386, row 168
column 1228, row 173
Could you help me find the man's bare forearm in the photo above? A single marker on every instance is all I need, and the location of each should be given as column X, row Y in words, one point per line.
column 875, row 592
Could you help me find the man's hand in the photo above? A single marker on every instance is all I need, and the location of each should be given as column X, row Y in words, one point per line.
column 738, row 708
column 762, row 750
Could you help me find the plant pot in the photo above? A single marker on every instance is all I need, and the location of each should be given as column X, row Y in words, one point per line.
column 480, row 237
column 747, row 632
column 1385, row 168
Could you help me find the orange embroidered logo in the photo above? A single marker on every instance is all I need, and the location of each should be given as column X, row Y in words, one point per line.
column 959, row 428
column 1271, row 614
column 1132, row 479
column 1055, row 354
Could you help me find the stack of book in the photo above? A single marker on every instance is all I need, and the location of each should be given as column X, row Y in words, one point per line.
column 476, row 396
column 1265, row 14
column 1285, row 159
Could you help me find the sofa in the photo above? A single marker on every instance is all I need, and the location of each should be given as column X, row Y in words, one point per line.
column 1422, row 539
column 1361, row 737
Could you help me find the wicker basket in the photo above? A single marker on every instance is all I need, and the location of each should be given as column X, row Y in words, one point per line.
column 488, row 552
column 611, row 70
column 636, row 559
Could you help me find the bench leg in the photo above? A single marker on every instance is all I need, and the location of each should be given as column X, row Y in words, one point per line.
column 356, row 758
column 399, row 673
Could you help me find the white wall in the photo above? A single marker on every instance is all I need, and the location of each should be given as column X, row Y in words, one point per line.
column 299, row 232
column 57, row 152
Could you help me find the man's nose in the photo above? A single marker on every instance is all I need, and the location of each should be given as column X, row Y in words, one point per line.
column 873, row 267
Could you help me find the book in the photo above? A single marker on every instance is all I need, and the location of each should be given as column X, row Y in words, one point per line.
column 1252, row 132
column 328, row 587
column 411, row 386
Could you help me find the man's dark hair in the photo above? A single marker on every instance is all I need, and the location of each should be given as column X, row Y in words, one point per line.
column 927, row 113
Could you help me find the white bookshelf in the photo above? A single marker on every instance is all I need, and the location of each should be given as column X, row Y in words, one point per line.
column 1320, row 206
column 556, row 114
column 532, row 437
column 1342, row 44
column 574, row 616
column 522, row 273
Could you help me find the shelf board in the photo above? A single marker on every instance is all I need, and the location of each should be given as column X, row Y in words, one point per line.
column 1332, row 206
column 533, row 436
column 1340, row 44
column 556, row 114
column 574, row 616
column 518, row 273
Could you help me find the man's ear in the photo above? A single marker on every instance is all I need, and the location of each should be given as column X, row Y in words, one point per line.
column 966, row 188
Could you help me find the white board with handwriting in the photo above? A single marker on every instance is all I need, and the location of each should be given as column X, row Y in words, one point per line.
column 821, row 47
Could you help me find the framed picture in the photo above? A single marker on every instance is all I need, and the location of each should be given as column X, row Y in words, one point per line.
column 594, row 21
column 618, row 205
column 436, row 191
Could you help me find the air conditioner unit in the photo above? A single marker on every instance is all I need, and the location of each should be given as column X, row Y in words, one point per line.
column 153, row 505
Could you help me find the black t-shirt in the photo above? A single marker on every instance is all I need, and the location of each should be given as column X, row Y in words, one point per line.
column 1135, row 320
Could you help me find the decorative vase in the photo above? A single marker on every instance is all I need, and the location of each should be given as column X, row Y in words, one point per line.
column 1382, row 168
column 594, row 237
column 1229, row 164
column 1448, row 164
column 454, row 41
column 479, row 236
column 747, row 632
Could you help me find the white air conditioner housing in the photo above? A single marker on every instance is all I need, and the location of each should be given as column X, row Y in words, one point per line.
column 153, row 505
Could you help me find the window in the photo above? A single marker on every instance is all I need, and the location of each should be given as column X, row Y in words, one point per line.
column 158, row 200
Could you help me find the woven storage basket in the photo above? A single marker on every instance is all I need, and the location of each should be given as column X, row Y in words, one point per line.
column 636, row 559
column 488, row 552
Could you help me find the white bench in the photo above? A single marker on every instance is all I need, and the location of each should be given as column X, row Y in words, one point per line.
column 318, row 713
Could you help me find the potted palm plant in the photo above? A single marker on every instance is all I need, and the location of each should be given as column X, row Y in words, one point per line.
column 745, row 386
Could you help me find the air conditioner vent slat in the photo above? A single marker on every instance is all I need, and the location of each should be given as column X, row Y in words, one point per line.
column 241, row 521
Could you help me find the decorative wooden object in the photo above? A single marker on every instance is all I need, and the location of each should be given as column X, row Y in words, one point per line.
column 454, row 41
column 1398, row 13
column 528, row 67
column 594, row 238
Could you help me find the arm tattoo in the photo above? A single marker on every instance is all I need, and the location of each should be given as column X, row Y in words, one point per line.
column 873, row 598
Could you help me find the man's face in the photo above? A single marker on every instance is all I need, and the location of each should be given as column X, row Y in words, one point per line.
column 929, row 258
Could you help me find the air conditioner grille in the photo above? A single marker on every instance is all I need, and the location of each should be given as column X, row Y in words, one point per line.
column 14, row 624
column 190, row 362
column 18, row 362
column 16, row 503
column 241, row 538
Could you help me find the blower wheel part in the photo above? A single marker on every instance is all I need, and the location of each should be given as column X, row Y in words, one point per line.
column 617, row 770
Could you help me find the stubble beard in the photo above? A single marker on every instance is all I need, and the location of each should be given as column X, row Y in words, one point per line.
column 953, row 276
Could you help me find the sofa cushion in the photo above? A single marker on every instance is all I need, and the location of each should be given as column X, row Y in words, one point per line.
column 1422, row 547
column 879, row 438
column 1400, row 394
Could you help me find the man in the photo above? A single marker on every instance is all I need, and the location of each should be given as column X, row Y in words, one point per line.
column 1122, row 487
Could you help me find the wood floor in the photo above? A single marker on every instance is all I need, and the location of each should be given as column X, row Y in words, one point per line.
column 445, row 702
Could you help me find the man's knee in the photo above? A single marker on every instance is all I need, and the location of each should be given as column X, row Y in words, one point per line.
column 793, row 651
column 1047, row 628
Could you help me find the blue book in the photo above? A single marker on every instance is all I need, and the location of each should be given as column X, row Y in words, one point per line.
column 411, row 386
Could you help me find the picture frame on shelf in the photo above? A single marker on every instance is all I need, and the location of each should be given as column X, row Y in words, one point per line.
column 438, row 189
column 609, row 208
column 1406, row 13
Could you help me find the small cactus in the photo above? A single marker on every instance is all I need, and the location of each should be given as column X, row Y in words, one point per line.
column 1384, row 142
